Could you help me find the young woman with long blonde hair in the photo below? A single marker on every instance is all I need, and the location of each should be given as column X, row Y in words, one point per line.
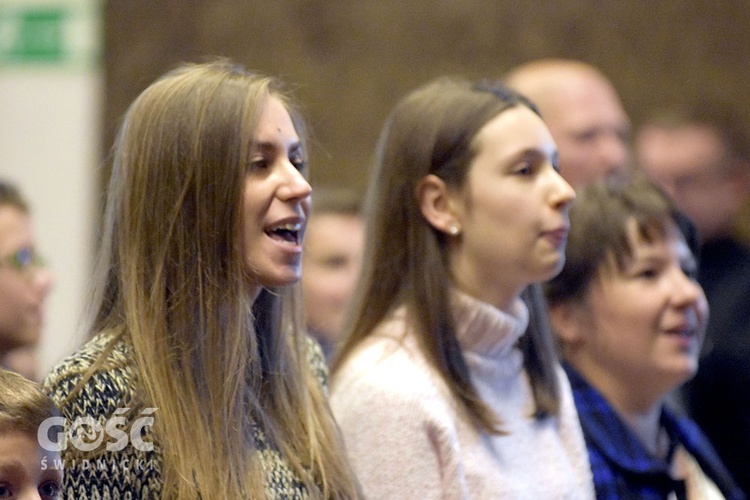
column 197, row 323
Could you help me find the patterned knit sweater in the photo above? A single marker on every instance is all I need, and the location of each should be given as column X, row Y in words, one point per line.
column 407, row 437
column 135, row 472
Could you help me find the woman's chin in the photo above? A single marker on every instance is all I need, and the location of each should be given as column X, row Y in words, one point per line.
column 551, row 268
column 278, row 280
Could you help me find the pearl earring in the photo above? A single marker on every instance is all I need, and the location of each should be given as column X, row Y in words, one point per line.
column 453, row 230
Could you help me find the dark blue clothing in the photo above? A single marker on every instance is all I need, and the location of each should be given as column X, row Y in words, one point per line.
column 718, row 398
column 621, row 466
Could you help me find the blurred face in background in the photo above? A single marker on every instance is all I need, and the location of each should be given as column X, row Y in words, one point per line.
column 22, row 474
column 333, row 253
column 591, row 130
column 691, row 164
column 24, row 285
column 584, row 114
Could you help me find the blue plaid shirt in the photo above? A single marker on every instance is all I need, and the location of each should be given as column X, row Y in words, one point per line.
column 622, row 467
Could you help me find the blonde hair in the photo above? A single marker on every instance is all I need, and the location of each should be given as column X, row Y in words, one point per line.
column 432, row 131
column 172, row 281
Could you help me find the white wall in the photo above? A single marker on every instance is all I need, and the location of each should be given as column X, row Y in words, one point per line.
column 49, row 146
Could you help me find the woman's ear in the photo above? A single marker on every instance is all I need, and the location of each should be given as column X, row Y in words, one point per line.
column 437, row 205
column 566, row 320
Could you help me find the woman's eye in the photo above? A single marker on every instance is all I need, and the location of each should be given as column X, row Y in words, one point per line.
column 556, row 165
column 299, row 164
column 5, row 491
column 691, row 272
column 648, row 273
column 259, row 164
column 524, row 168
column 296, row 159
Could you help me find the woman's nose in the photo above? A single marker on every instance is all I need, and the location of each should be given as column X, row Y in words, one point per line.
column 563, row 193
column 295, row 186
column 686, row 291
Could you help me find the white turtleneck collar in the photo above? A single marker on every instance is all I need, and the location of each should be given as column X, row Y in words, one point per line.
column 486, row 330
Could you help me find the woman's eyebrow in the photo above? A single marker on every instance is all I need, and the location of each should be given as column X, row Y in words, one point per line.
column 265, row 146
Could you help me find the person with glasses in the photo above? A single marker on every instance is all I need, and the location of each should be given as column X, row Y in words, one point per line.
column 24, row 284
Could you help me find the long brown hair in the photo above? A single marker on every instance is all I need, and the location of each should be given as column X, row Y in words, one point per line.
column 172, row 281
column 432, row 131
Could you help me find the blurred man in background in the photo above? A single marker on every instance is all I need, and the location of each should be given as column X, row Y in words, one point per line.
column 584, row 114
column 24, row 285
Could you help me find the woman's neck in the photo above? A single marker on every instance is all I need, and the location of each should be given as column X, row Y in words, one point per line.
column 639, row 408
column 253, row 290
column 500, row 298
column 647, row 428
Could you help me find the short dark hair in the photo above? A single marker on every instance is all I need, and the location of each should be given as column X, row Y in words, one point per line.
column 10, row 195
column 598, row 220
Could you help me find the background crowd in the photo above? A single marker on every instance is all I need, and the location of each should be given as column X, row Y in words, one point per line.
column 427, row 295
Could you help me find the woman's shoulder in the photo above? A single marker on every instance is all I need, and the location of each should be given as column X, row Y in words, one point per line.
column 389, row 365
column 95, row 390
column 95, row 380
column 388, row 388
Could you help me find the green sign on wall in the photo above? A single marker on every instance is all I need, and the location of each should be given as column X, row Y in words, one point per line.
column 48, row 33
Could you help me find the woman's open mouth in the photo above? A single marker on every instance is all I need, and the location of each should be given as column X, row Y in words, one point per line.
column 288, row 232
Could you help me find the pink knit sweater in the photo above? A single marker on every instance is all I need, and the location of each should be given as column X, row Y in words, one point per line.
column 408, row 439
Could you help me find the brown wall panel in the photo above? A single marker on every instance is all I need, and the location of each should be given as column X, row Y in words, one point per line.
column 351, row 60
